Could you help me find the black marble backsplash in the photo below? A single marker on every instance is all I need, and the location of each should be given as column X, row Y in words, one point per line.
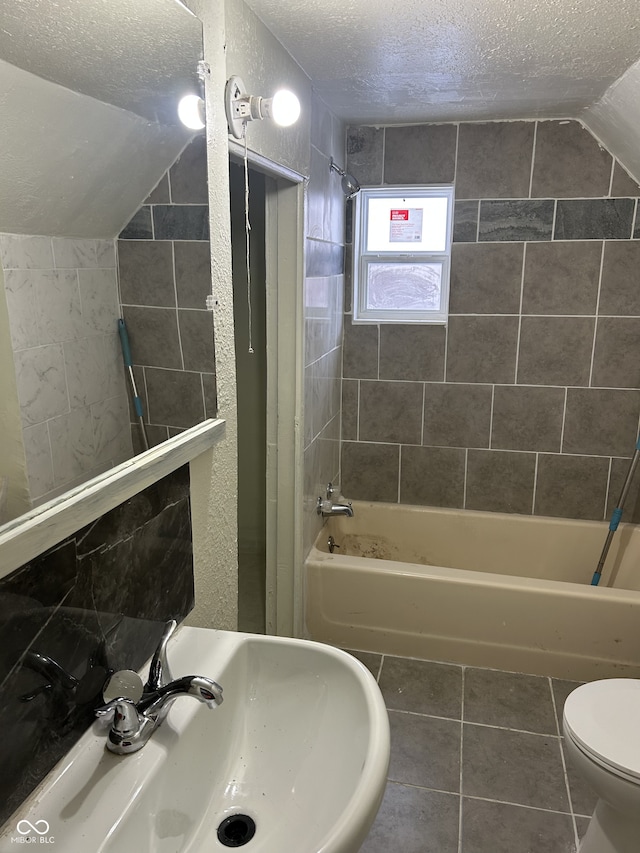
column 95, row 603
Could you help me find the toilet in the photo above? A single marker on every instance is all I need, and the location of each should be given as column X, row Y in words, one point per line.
column 601, row 725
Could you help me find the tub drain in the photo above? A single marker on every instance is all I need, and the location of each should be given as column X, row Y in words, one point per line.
column 236, row 830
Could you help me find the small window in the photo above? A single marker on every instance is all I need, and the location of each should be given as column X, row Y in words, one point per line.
column 402, row 250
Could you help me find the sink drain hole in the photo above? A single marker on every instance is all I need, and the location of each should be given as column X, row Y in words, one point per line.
column 236, row 830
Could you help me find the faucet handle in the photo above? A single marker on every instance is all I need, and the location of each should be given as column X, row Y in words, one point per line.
column 159, row 671
column 126, row 719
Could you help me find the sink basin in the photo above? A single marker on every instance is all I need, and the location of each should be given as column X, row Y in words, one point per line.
column 300, row 746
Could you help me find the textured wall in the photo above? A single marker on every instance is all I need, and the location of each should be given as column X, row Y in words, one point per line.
column 165, row 278
column 323, row 306
column 528, row 401
column 62, row 299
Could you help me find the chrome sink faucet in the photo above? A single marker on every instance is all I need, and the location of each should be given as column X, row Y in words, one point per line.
column 326, row 506
column 134, row 721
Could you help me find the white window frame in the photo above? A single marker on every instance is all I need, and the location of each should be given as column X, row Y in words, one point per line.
column 362, row 258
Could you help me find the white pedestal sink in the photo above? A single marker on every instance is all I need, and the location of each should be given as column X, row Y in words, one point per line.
column 300, row 746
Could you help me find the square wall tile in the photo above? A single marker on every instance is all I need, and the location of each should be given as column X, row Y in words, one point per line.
column 619, row 470
column 160, row 193
column 58, row 309
column 594, row 219
column 196, row 339
column 412, row 352
column 420, row 154
column 494, row 159
column 188, row 175
column 360, row 351
column 175, row 397
column 486, row 278
column 146, row 273
column 153, row 335
column 555, row 350
column 465, row 221
column 516, row 220
column 457, row 415
column 74, row 254
column 601, row 422
column 193, row 273
column 481, row 349
column 569, row 162
column 139, row 227
column 527, row 418
column 571, row 486
column 350, row 392
column 615, row 359
column 41, row 383
column 500, row 481
column 432, row 476
column 181, row 222
column 37, row 452
column 623, row 184
column 112, row 434
column 636, row 227
column 561, row 277
column 72, row 445
column 620, row 287
column 365, row 147
column 391, row 412
column 21, row 252
column 20, row 292
column 99, row 302
column 370, row 471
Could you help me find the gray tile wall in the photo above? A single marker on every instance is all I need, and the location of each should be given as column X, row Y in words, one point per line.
column 323, row 313
column 529, row 400
column 165, row 278
column 62, row 299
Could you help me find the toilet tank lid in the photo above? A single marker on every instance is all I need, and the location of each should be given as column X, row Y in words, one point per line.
column 604, row 718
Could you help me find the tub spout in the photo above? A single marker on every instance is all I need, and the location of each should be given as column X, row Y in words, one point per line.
column 327, row 507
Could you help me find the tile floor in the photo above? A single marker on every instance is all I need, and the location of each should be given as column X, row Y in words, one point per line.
column 477, row 762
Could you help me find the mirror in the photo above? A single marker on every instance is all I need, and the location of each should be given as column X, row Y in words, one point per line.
column 92, row 151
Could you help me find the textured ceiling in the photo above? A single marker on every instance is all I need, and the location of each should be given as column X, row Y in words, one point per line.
column 440, row 60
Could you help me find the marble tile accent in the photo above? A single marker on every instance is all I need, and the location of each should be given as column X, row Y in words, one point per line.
column 494, row 160
column 41, row 381
column 571, row 486
column 465, row 221
column 72, row 445
column 57, row 306
column 615, row 359
column 500, row 481
column 365, row 147
column 181, row 222
column 175, row 397
column 21, row 252
column 569, row 162
column 153, row 335
column 139, row 227
column 360, row 351
column 37, row 452
column 74, row 254
column 517, row 220
column 486, row 278
column 555, row 350
column 196, row 338
column 146, row 273
column 20, row 290
column 188, row 175
column 86, row 371
column 420, row 154
column 112, row 436
column 457, row 415
column 562, row 278
column 432, row 476
column 370, row 471
column 589, row 427
column 482, row 349
column 620, row 287
column 391, row 412
column 594, row 219
column 623, row 184
column 99, row 301
column 412, row 352
column 526, row 418
column 193, row 273
column 106, row 254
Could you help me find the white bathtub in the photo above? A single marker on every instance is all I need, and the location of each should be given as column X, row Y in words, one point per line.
column 487, row 589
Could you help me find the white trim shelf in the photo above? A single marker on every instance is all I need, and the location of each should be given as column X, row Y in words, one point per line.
column 40, row 529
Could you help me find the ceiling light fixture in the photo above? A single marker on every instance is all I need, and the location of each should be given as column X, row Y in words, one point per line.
column 191, row 112
column 283, row 108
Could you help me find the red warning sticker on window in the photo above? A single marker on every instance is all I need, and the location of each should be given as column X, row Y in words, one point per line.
column 406, row 225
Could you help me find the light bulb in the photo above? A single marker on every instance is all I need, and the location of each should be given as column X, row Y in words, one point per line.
column 285, row 108
column 191, row 112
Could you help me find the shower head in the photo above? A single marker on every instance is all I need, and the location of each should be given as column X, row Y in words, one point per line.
column 350, row 186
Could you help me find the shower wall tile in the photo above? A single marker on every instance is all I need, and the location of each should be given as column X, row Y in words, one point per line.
column 555, row 350
column 324, row 259
column 175, row 397
column 457, row 415
column 391, row 412
column 42, row 384
column 432, row 476
column 544, row 308
column 527, row 418
column 196, row 337
column 482, row 349
column 516, row 220
column 146, row 273
column 494, row 160
column 210, row 390
column 58, row 309
column 594, row 219
column 153, row 336
column 39, row 463
column 615, row 358
column 73, row 254
column 23, row 252
column 562, row 278
column 20, row 292
column 486, row 279
column 181, row 222
column 500, row 481
column 571, row 486
column 569, row 162
column 99, row 301
column 591, row 430
column 161, row 193
column 412, row 352
column 370, row 471
column 619, row 470
column 620, row 287
column 188, row 175
column 140, row 226
column 193, row 273
column 420, row 154
column 73, row 445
